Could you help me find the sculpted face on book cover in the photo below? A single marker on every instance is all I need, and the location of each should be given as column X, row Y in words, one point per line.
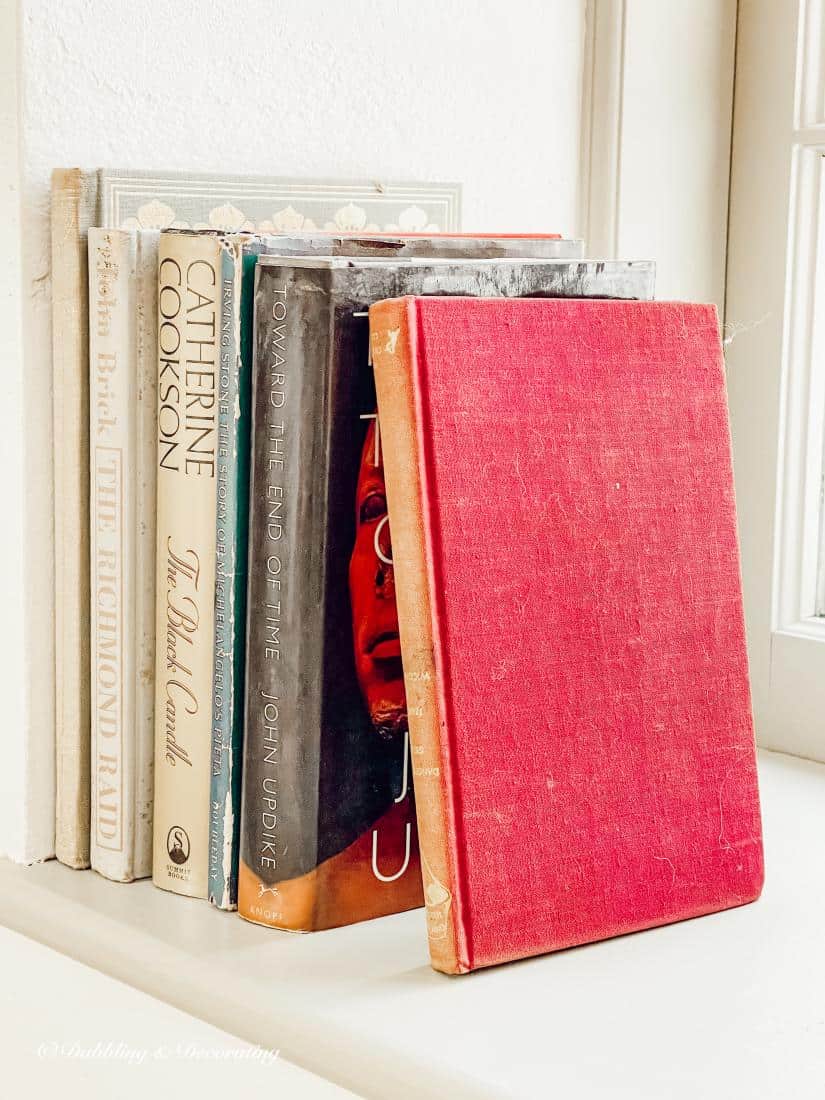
column 376, row 643
column 367, row 847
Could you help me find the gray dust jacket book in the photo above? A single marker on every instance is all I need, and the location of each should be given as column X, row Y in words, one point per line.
column 239, row 256
column 328, row 832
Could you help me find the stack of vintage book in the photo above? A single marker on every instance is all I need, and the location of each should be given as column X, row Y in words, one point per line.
column 528, row 709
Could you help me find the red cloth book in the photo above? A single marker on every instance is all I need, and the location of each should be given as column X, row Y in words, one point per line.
column 560, row 494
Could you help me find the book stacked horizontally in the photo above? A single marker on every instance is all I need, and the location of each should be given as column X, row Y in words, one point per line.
column 527, row 709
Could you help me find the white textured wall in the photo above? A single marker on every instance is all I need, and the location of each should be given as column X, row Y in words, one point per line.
column 434, row 89
column 18, row 671
column 464, row 90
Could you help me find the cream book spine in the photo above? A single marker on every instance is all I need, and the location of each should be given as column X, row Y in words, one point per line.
column 72, row 198
column 122, row 414
column 188, row 363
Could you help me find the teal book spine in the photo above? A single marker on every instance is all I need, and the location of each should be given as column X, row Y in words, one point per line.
column 231, row 533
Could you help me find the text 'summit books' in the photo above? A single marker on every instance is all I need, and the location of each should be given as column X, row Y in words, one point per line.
column 567, row 568
column 328, row 832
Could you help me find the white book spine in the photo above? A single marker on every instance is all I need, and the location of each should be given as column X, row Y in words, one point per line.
column 188, row 350
column 112, row 372
column 122, row 431
column 73, row 201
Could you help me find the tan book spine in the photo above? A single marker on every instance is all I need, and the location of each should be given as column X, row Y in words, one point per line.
column 70, row 348
column 123, row 353
column 392, row 346
column 188, row 363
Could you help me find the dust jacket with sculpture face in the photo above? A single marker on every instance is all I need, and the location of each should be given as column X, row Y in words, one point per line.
column 239, row 257
column 327, row 823
column 567, row 571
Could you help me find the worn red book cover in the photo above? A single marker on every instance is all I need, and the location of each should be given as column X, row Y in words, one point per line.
column 566, row 563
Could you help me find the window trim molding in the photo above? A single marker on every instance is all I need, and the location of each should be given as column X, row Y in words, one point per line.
column 655, row 144
column 601, row 128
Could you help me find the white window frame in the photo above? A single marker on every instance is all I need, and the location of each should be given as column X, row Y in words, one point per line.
column 656, row 133
column 776, row 359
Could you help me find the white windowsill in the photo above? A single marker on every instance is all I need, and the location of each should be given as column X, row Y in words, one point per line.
column 731, row 1005
column 121, row 1044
